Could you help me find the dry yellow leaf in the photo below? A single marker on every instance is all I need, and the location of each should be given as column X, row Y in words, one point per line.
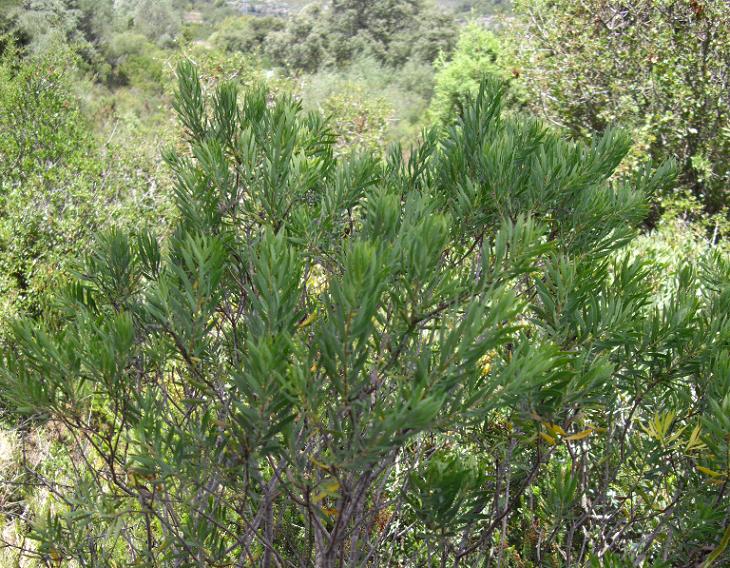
column 580, row 435
column 308, row 320
column 708, row 471
column 328, row 489
column 549, row 439
column 556, row 429
column 319, row 464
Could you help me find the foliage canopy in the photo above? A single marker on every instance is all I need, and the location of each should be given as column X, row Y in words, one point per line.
column 661, row 69
column 333, row 33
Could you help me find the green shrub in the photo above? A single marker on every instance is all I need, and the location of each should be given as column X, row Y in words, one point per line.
column 135, row 62
column 368, row 104
column 658, row 68
column 245, row 34
column 359, row 120
column 478, row 55
column 336, row 361
column 45, row 176
column 57, row 188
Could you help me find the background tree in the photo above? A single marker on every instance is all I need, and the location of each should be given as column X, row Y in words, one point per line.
column 659, row 68
column 392, row 31
column 478, row 7
column 158, row 20
column 247, row 34
column 478, row 54
column 44, row 25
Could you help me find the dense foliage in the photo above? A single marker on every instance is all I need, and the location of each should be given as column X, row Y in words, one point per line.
column 660, row 68
column 335, row 32
column 366, row 311
column 338, row 361
column 57, row 188
column 478, row 54
column 245, row 34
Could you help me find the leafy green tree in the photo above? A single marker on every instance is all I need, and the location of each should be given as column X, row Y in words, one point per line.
column 159, row 20
column 448, row 358
column 658, row 67
column 46, row 24
column 302, row 45
column 245, row 34
column 478, row 54
column 479, row 7
column 7, row 11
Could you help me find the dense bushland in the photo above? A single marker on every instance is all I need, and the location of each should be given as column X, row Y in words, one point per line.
column 59, row 185
column 335, row 32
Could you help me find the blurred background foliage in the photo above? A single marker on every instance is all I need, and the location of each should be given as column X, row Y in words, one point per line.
column 667, row 79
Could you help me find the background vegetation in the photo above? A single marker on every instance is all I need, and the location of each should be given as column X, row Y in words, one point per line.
column 358, row 283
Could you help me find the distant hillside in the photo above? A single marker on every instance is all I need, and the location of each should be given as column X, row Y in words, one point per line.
column 270, row 7
column 7, row 5
column 480, row 7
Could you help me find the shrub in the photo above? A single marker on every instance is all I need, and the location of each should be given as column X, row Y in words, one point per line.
column 659, row 68
column 478, row 55
column 367, row 103
column 339, row 361
column 135, row 61
column 45, row 181
column 158, row 20
column 245, row 34
column 57, row 188
column 358, row 119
